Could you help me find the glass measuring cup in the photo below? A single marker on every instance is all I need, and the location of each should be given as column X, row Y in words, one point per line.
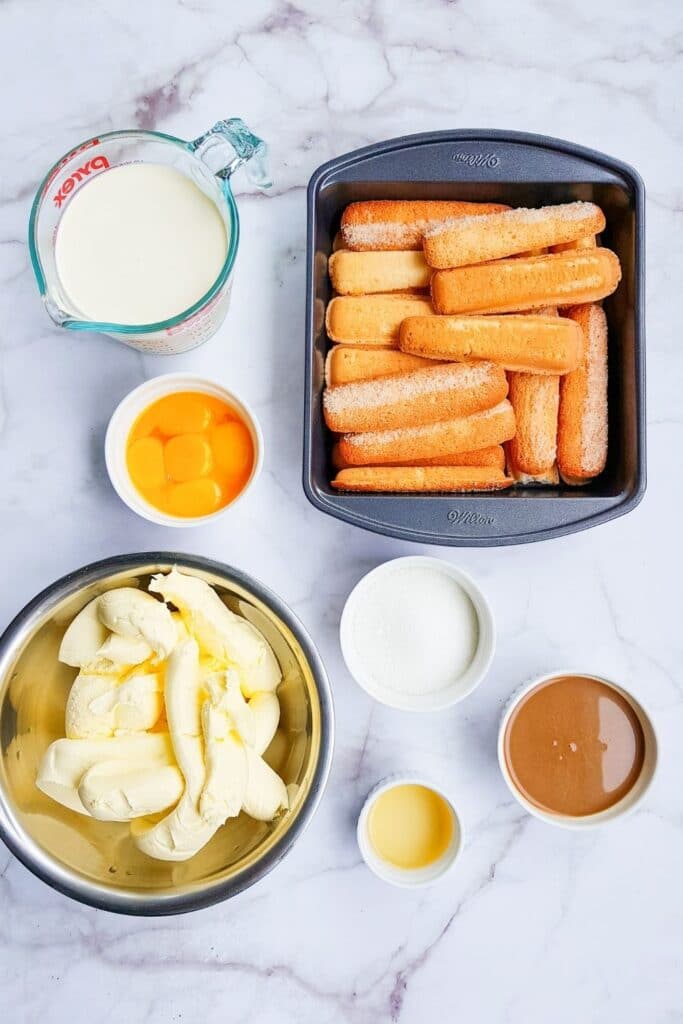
column 209, row 161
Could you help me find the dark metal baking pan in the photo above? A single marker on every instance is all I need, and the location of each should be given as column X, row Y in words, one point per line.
column 522, row 170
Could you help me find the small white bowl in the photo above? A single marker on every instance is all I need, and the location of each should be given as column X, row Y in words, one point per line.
column 121, row 424
column 628, row 802
column 464, row 684
column 404, row 877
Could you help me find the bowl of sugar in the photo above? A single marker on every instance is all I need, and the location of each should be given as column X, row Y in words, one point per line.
column 417, row 634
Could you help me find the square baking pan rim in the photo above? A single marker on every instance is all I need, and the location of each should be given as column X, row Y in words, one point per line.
column 476, row 511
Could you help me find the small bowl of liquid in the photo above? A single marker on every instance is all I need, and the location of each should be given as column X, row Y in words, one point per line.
column 576, row 750
column 409, row 832
column 181, row 450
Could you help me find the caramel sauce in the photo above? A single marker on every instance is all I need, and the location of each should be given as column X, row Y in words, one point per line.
column 574, row 746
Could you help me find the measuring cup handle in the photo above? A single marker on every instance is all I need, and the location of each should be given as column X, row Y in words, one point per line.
column 248, row 150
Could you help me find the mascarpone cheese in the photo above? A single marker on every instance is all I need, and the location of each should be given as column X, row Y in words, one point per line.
column 84, row 637
column 66, row 761
column 211, row 672
column 221, row 633
column 134, row 614
column 113, row 791
column 102, row 705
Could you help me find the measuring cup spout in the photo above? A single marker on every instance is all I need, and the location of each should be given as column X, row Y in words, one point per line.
column 245, row 149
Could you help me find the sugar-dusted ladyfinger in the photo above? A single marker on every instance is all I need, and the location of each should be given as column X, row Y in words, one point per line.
column 421, row 479
column 529, row 343
column 362, row 273
column 408, row 444
column 415, row 398
column 346, row 363
column 532, row 452
column 372, row 319
column 506, row 286
column 582, row 427
column 469, row 240
column 493, row 456
column 380, row 224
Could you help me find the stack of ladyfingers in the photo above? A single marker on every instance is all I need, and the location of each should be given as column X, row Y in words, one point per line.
column 460, row 328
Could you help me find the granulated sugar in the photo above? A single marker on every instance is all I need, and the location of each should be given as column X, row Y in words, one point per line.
column 414, row 630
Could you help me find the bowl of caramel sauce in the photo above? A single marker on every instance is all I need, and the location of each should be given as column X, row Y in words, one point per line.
column 576, row 750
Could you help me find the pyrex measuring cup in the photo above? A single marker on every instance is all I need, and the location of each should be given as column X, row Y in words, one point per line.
column 209, row 162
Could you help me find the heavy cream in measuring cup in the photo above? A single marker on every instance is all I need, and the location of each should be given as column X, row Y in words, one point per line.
column 139, row 244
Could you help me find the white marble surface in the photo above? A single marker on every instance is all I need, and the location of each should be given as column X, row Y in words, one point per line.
column 535, row 924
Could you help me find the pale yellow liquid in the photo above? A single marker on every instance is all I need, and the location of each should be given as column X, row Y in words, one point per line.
column 410, row 826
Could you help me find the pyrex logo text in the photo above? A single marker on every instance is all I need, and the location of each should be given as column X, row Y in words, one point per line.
column 98, row 163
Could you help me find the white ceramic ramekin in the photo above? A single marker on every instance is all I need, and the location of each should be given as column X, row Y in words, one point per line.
column 124, row 417
column 618, row 810
column 403, row 877
column 462, row 686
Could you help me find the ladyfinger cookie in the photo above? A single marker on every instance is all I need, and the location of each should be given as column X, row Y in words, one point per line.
column 588, row 242
column 468, row 240
column 558, row 279
column 401, row 223
column 346, row 363
column 532, row 452
column 550, row 478
column 361, row 273
column 421, row 479
column 530, row 344
column 582, row 427
column 412, row 399
column 372, row 319
column 493, row 456
column 408, row 444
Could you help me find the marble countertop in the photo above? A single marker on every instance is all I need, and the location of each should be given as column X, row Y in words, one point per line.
column 535, row 923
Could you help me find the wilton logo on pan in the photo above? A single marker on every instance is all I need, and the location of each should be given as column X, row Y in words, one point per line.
column 462, row 518
column 98, row 163
column 477, row 159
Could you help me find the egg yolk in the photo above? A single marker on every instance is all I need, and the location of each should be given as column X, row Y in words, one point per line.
column 187, row 457
column 190, row 454
column 185, row 413
column 232, row 448
column 146, row 462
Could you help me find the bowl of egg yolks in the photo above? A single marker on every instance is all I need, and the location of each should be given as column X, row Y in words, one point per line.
column 181, row 449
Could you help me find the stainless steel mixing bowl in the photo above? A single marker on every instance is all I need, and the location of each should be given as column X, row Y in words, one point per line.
column 95, row 861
